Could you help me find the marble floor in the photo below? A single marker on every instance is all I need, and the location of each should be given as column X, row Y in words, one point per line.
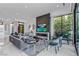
column 66, row 50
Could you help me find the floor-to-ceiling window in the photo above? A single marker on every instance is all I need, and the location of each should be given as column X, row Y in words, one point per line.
column 63, row 26
column 57, row 25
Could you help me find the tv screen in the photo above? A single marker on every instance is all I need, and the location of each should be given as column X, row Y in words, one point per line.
column 41, row 28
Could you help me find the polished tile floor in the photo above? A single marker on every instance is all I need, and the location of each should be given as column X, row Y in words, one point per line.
column 65, row 50
column 10, row 50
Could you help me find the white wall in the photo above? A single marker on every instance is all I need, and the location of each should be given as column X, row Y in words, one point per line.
column 29, row 21
column 15, row 26
column 7, row 27
column 7, row 24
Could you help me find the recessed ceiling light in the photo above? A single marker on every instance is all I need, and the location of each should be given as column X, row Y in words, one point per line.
column 17, row 13
column 26, row 6
column 57, row 6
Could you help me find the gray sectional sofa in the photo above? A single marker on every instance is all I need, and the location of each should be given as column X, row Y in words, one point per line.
column 28, row 42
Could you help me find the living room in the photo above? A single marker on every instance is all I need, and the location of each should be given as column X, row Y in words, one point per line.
column 28, row 27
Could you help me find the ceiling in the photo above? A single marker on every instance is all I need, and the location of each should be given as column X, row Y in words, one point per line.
column 25, row 10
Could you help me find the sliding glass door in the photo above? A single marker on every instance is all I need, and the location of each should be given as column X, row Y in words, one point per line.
column 77, row 27
column 77, row 40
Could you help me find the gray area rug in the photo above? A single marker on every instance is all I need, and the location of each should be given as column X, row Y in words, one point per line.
column 33, row 50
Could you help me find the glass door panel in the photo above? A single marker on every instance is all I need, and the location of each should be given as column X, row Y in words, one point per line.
column 77, row 40
column 67, row 25
column 77, row 27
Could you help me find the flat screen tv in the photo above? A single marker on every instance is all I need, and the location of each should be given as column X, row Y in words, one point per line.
column 41, row 28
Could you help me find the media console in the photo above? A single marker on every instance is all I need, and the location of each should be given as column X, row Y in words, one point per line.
column 43, row 35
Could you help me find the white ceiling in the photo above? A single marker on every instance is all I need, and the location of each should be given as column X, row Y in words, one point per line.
column 25, row 10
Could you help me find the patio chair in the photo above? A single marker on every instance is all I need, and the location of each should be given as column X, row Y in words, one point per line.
column 54, row 43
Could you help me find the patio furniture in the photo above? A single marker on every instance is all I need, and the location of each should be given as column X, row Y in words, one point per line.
column 54, row 43
column 66, row 38
column 60, row 41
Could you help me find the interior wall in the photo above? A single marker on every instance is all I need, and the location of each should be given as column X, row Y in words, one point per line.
column 52, row 15
column 15, row 26
column 29, row 21
column 7, row 27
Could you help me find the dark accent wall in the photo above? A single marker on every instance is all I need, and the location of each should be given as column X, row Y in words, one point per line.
column 44, row 19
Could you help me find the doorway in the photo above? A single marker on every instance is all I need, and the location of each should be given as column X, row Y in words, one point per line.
column 21, row 27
